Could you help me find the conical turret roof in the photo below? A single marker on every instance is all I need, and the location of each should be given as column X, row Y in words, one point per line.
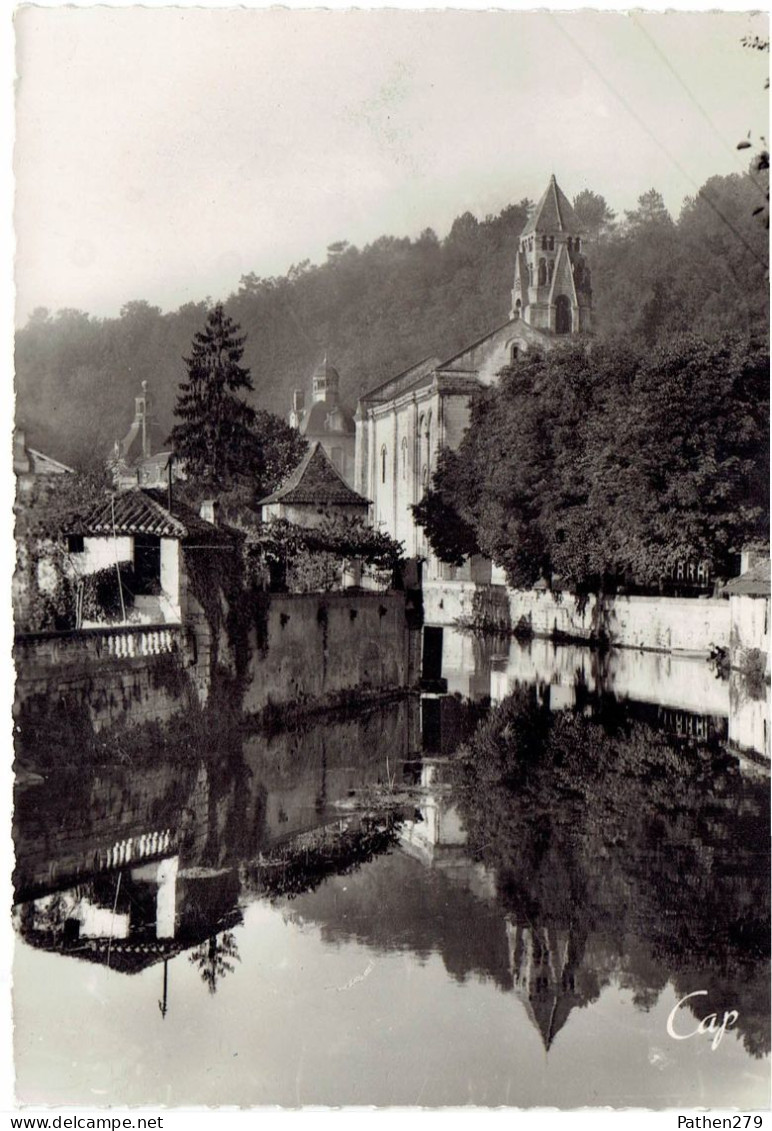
column 553, row 213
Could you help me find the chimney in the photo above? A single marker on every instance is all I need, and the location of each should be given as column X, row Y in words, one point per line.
column 209, row 509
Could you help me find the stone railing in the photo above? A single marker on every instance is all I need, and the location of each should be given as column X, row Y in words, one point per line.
column 89, row 645
column 136, row 848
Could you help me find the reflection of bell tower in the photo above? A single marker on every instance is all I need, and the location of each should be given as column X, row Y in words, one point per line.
column 544, row 963
column 552, row 290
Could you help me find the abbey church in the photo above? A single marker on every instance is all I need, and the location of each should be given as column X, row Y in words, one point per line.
column 402, row 425
column 388, row 450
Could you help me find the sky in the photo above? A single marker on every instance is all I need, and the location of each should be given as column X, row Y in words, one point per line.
column 162, row 153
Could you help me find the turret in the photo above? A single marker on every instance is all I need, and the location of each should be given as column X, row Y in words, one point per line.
column 552, row 290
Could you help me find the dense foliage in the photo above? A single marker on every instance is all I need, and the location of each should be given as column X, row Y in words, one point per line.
column 381, row 308
column 615, row 830
column 45, row 595
column 311, row 558
column 597, row 463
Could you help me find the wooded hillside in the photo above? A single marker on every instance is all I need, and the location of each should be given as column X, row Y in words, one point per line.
column 379, row 309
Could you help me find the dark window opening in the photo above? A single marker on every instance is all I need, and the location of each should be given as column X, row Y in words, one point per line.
column 75, row 544
column 147, row 564
column 432, row 653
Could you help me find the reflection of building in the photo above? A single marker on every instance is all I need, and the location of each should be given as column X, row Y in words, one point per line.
column 403, row 424
column 544, row 964
column 134, row 917
column 327, row 421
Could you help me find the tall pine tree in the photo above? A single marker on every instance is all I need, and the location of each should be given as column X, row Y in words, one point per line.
column 215, row 436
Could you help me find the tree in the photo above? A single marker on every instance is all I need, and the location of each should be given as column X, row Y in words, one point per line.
column 215, row 432
column 593, row 214
column 596, row 462
column 651, row 210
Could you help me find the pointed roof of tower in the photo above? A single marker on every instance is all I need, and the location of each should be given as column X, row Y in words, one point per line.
column 316, row 480
column 553, row 213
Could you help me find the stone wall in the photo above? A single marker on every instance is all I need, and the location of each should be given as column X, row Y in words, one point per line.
column 317, row 645
column 100, row 677
column 301, row 647
column 664, row 624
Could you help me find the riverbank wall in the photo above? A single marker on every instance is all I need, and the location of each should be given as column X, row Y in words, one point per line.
column 301, row 649
column 660, row 624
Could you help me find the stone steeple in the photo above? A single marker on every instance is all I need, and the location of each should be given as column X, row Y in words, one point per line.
column 552, row 289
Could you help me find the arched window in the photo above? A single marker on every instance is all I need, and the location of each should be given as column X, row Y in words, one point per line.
column 518, row 308
column 552, row 243
column 577, row 244
column 514, row 353
column 563, row 318
column 542, row 272
column 570, row 244
column 404, row 457
column 544, row 243
column 383, row 464
column 551, row 270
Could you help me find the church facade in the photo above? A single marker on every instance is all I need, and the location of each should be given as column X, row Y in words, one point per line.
column 403, row 424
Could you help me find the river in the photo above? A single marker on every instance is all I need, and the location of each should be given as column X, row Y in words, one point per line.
column 549, row 886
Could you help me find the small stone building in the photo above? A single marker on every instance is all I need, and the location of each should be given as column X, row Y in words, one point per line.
column 137, row 527
column 314, row 491
column 749, row 597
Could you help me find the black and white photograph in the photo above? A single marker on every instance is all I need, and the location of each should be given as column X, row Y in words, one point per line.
column 390, row 567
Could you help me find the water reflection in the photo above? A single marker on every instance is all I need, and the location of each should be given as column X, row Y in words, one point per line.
column 408, row 905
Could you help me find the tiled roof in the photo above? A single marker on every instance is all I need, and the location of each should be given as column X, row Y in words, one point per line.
column 144, row 511
column 755, row 582
column 553, row 213
column 315, row 480
column 130, row 512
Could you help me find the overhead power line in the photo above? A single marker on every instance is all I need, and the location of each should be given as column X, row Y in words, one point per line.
column 650, row 133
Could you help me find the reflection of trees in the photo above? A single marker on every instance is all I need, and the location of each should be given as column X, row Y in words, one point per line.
column 655, row 844
column 212, row 959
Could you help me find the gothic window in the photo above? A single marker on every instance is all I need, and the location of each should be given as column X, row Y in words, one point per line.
column 570, row 244
column 577, row 244
column 515, row 353
column 551, row 270
column 542, row 272
column 544, row 243
column 383, row 464
column 404, row 457
column 563, row 318
column 552, row 243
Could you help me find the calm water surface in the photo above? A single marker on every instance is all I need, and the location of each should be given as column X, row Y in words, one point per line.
column 494, row 897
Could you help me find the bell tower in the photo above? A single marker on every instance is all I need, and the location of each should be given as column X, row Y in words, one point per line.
column 552, row 290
